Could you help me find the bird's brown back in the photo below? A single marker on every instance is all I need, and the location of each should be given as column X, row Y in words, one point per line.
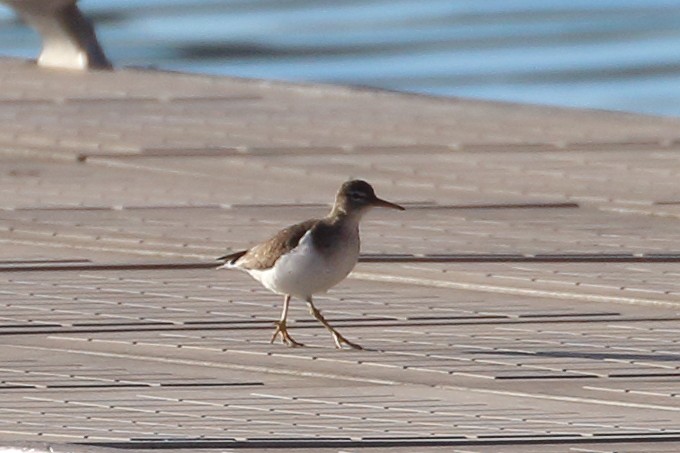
column 263, row 256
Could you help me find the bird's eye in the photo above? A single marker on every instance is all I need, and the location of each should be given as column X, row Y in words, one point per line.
column 356, row 196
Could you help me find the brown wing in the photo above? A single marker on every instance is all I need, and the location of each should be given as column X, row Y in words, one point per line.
column 264, row 255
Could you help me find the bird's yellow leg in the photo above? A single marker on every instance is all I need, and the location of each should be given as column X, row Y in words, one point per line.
column 337, row 336
column 282, row 329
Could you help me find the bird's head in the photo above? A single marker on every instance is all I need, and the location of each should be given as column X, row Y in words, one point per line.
column 357, row 196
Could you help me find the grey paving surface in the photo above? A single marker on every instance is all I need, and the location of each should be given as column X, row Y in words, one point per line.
column 527, row 301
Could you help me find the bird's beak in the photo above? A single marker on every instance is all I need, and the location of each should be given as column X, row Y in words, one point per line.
column 379, row 202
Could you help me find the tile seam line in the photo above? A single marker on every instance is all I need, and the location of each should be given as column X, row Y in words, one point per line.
column 212, row 364
column 113, row 159
column 120, row 250
column 367, row 380
column 509, row 290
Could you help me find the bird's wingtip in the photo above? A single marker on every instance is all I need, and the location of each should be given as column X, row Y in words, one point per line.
column 230, row 259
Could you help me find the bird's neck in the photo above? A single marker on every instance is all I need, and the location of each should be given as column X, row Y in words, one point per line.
column 345, row 218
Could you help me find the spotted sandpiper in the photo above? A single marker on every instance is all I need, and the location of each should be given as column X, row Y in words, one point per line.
column 312, row 256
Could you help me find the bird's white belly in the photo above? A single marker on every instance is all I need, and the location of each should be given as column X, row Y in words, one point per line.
column 304, row 271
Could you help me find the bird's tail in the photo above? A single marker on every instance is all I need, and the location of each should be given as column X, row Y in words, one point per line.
column 228, row 261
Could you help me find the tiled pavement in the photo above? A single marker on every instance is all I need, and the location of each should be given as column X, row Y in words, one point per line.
column 526, row 301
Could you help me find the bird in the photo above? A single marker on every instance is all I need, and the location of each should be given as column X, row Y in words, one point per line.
column 311, row 257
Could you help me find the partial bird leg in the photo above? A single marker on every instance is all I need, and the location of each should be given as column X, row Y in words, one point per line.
column 281, row 327
column 337, row 337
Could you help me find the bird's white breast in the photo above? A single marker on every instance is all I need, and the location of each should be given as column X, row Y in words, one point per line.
column 305, row 271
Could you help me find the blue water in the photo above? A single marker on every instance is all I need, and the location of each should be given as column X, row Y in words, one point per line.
column 609, row 54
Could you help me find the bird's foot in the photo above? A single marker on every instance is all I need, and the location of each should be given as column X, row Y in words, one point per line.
column 340, row 340
column 285, row 336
